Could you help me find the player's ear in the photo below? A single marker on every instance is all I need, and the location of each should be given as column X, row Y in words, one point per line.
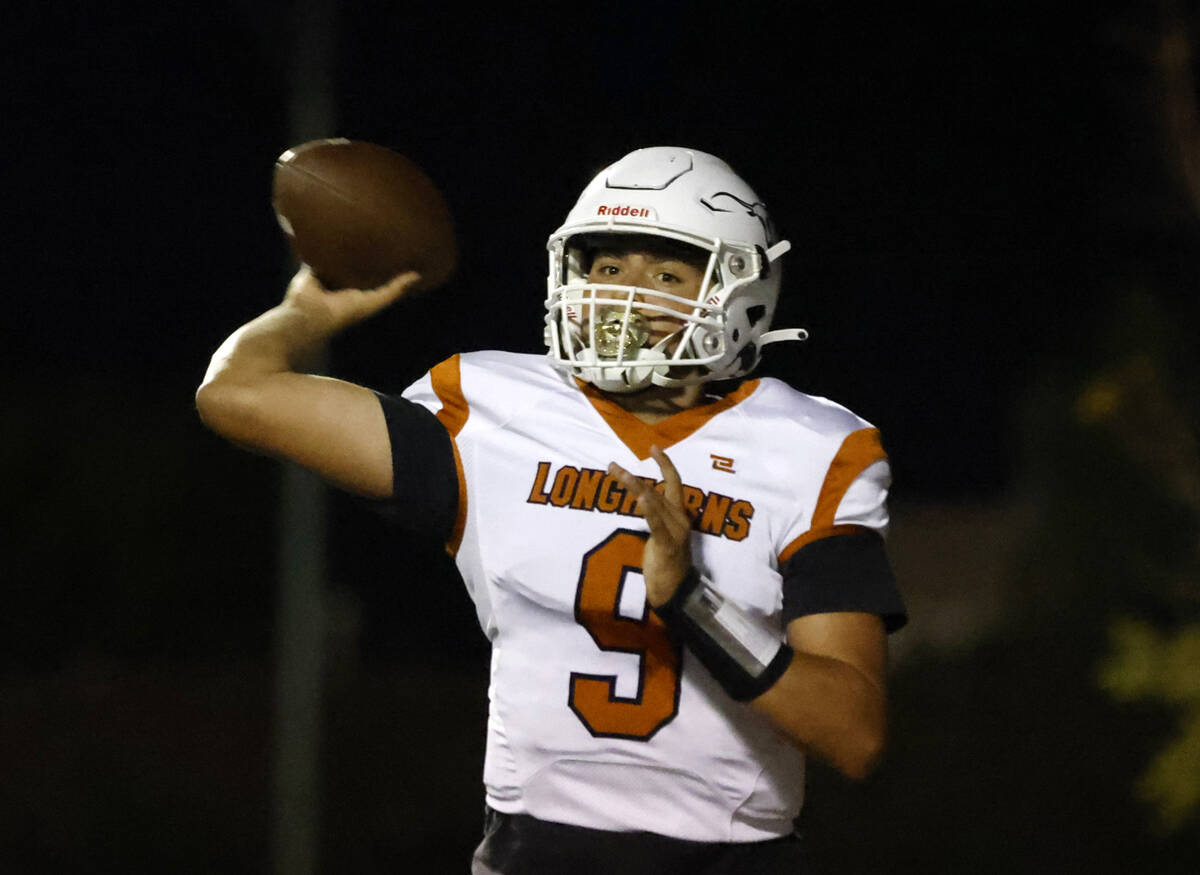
column 584, row 254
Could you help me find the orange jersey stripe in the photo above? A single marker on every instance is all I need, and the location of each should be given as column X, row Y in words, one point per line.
column 640, row 436
column 447, row 385
column 858, row 451
column 816, row 535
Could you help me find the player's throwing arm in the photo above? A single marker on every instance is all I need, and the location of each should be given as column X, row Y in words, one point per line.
column 373, row 227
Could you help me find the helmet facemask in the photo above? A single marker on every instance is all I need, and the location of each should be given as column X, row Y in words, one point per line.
column 601, row 332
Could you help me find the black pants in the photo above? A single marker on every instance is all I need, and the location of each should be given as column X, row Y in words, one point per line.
column 517, row 844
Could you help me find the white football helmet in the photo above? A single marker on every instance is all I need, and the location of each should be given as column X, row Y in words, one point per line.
column 597, row 332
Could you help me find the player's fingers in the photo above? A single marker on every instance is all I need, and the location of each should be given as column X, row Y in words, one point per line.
column 625, row 478
column 678, row 524
column 362, row 303
column 383, row 296
column 648, row 500
column 397, row 285
column 665, row 519
column 672, row 485
column 670, row 500
column 632, row 483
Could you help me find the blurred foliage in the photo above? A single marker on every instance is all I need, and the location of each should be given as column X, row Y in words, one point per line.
column 1008, row 743
column 1141, row 408
column 1145, row 664
column 1141, row 404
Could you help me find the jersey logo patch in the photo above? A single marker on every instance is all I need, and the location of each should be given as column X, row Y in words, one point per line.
column 592, row 489
column 722, row 463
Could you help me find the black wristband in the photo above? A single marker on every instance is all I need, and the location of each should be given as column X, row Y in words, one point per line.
column 694, row 613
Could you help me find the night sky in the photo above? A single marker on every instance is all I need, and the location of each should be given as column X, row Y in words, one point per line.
column 937, row 174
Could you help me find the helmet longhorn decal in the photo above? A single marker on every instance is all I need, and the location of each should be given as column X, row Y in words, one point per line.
column 757, row 209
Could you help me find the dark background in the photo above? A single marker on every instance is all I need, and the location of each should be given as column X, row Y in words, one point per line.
column 993, row 213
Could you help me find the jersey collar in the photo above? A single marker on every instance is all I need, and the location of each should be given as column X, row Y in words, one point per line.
column 639, row 436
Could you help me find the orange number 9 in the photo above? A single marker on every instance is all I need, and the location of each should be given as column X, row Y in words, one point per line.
column 593, row 698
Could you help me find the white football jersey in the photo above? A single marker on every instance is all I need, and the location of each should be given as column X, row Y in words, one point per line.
column 596, row 717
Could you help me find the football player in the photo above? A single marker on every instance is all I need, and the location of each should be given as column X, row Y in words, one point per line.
column 681, row 569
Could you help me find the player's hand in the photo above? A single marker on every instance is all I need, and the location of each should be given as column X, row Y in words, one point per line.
column 337, row 310
column 668, row 553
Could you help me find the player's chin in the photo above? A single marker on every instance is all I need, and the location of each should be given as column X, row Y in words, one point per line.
column 684, row 372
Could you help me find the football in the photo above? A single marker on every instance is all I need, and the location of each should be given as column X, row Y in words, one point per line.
column 358, row 214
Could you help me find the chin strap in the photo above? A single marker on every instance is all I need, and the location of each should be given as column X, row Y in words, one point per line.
column 782, row 334
column 778, row 249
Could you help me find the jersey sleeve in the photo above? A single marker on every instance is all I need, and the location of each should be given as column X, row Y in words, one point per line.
column 840, row 563
column 427, row 494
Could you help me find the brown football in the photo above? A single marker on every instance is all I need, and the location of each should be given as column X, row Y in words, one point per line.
column 358, row 214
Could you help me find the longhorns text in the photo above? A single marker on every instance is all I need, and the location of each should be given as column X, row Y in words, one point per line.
column 595, row 490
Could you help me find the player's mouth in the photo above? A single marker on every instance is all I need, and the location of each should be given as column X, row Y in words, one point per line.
column 618, row 336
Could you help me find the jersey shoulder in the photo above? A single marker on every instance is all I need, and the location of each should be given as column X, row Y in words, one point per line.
column 835, row 459
column 817, row 417
column 501, row 367
column 497, row 386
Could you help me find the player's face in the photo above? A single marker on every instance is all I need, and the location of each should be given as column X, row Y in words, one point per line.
column 649, row 270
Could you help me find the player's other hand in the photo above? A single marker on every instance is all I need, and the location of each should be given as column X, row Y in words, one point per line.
column 336, row 310
column 668, row 553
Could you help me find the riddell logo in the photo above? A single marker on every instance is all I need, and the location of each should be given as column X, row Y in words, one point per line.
column 625, row 210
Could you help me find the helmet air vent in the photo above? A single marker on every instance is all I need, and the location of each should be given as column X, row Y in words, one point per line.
column 650, row 169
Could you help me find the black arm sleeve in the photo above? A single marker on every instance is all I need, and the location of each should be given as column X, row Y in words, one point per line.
column 847, row 572
column 424, row 477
